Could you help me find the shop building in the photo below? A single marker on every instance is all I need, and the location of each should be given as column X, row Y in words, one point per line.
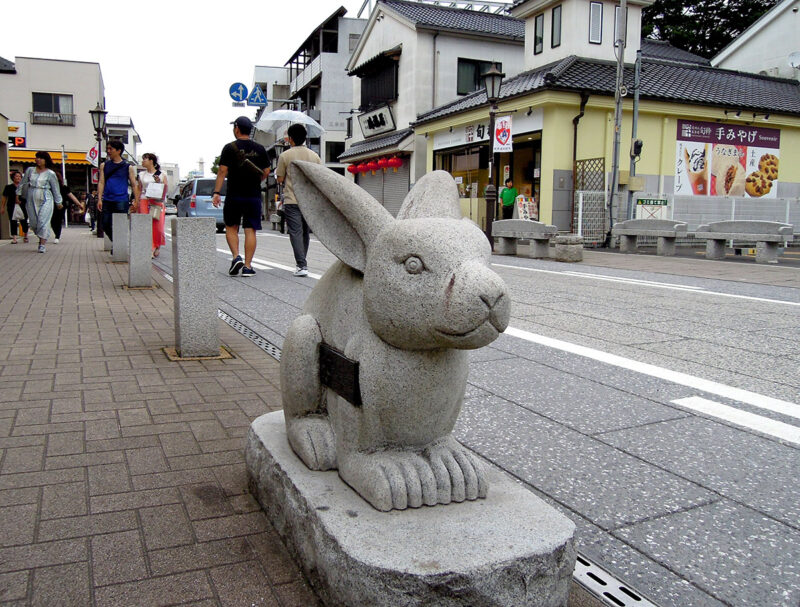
column 562, row 115
column 411, row 58
column 47, row 102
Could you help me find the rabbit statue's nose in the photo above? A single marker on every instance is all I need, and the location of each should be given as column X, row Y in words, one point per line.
column 491, row 300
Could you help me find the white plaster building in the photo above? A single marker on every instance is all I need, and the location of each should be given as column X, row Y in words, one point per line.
column 412, row 58
column 770, row 46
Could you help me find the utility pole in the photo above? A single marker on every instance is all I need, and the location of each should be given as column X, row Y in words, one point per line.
column 635, row 127
column 619, row 93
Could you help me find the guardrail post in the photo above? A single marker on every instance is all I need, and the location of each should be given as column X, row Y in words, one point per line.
column 193, row 275
column 140, row 251
column 120, row 224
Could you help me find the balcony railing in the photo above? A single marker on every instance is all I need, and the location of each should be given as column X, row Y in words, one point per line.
column 52, row 119
column 311, row 71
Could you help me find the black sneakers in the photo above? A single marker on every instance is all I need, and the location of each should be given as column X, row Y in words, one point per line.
column 248, row 272
column 236, row 265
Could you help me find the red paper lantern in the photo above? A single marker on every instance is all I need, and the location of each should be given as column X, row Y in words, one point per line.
column 362, row 168
column 395, row 162
column 372, row 166
column 383, row 163
column 352, row 169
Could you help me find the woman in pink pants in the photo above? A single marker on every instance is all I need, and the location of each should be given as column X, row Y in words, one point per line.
column 153, row 174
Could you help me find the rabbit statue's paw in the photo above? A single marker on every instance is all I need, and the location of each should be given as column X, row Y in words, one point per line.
column 390, row 479
column 459, row 473
column 311, row 438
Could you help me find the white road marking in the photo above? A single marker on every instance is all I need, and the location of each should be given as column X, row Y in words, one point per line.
column 738, row 417
column 263, row 264
column 649, row 283
column 684, row 379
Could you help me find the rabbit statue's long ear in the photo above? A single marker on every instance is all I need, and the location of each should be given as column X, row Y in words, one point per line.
column 435, row 195
column 344, row 217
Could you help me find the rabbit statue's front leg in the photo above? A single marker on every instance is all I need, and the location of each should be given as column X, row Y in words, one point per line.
column 307, row 424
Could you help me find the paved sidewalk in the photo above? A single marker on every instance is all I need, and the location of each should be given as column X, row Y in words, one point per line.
column 122, row 477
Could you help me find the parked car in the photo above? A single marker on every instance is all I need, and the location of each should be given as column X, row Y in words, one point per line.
column 195, row 200
column 171, row 205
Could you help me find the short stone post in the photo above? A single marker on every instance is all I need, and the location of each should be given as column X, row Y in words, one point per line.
column 195, row 301
column 120, row 224
column 665, row 246
column 506, row 246
column 766, row 252
column 539, row 248
column 106, row 242
column 141, row 240
column 715, row 249
column 627, row 243
column 569, row 247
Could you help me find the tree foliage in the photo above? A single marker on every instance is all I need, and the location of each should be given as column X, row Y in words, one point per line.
column 215, row 166
column 703, row 27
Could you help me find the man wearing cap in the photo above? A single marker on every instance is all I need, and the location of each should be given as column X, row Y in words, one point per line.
column 245, row 163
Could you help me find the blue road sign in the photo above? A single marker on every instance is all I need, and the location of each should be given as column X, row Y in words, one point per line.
column 257, row 96
column 238, row 91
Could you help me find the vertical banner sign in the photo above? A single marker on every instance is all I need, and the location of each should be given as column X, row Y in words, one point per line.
column 92, row 155
column 726, row 160
column 502, row 134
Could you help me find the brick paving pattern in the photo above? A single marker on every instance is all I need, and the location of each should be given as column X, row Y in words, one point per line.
column 122, row 477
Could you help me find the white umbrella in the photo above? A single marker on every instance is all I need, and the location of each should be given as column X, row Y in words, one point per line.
column 280, row 120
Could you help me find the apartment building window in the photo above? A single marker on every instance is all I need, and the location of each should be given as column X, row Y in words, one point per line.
column 333, row 149
column 354, row 38
column 53, row 109
column 595, row 22
column 118, row 135
column 538, row 34
column 555, row 27
column 469, row 74
column 380, row 86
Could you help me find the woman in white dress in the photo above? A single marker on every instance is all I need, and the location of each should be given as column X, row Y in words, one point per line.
column 153, row 174
column 42, row 193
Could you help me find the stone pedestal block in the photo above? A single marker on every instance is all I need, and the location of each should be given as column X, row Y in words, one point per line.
column 193, row 273
column 539, row 248
column 510, row 549
column 106, row 243
column 569, row 248
column 505, row 246
column 766, row 252
column 665, row 246
column 715, row 249
column 140, row 251
column 120, row 223
column 627, row 243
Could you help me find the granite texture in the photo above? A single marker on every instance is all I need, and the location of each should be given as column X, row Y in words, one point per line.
column 406, row 299
column 139, row 251
column 121, row 246
column 195, row 301
column 569, row 248
column 510, row 549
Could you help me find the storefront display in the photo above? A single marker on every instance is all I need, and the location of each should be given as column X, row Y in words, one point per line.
column 726, row 160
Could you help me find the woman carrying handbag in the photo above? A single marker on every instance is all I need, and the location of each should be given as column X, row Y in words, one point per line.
column 154, row 190
column 42, row 194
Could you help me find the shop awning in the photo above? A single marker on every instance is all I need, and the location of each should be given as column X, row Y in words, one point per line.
column 398, row 141
column 29, row 156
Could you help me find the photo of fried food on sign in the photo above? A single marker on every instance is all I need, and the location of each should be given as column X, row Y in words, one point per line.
column 728, row 170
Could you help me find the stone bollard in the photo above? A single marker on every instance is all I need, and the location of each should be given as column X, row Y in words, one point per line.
column 140, row 252
column 121, row 226
column 195, row 301
column 106, row 242
column 569, row 248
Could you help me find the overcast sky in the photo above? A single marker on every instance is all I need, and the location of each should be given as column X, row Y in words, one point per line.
column 189, row 53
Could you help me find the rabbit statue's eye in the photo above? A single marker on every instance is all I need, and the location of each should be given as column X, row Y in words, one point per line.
column 413, row 265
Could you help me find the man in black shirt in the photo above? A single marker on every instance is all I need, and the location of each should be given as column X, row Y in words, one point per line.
column 245, row 164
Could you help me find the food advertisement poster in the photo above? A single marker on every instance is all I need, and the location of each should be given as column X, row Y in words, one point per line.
column 715, row 159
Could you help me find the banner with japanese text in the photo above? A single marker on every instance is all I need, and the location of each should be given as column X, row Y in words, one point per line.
column 716, row 159
column 502, row 135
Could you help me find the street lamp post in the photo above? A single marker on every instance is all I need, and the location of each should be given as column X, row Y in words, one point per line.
column 492, row 80
column 98, row 115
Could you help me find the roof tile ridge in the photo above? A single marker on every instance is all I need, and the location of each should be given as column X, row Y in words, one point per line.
column 719, row 70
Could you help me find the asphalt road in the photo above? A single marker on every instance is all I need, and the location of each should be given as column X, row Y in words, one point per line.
column 654, row 402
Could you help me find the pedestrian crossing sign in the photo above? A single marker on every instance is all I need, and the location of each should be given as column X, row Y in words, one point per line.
column 257, row 96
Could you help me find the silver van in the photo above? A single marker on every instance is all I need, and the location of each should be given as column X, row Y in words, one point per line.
column 194, row 200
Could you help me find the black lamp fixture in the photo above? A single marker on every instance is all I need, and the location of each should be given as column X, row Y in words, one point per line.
column 492, row 80
column 98, row 115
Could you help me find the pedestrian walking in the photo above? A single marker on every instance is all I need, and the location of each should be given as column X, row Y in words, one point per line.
column 298, row 228
column 11, row 201
column 112, row 191
column 509, row 197
column 59, row 213
column 42, row 194
column 151, row 180
column 91, row 206
column 245, row 164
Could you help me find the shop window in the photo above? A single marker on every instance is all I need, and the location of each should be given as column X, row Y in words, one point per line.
column 379, row 87
column 555, row 27
column 595, row 22
column 333, row 149
column 469, row 74
column 538, row 34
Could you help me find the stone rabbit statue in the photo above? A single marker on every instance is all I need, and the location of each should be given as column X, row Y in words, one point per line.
column 406, row 300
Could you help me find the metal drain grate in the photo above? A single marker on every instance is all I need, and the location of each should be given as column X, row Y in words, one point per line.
column 591, row 576
column 605, row 586
column 262, row 342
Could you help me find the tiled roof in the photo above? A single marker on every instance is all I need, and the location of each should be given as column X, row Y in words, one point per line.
column 392, row 52
column 7, row 67
column 661, row 49
column 661, row 80
column 376, row 143
column 447, row 18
